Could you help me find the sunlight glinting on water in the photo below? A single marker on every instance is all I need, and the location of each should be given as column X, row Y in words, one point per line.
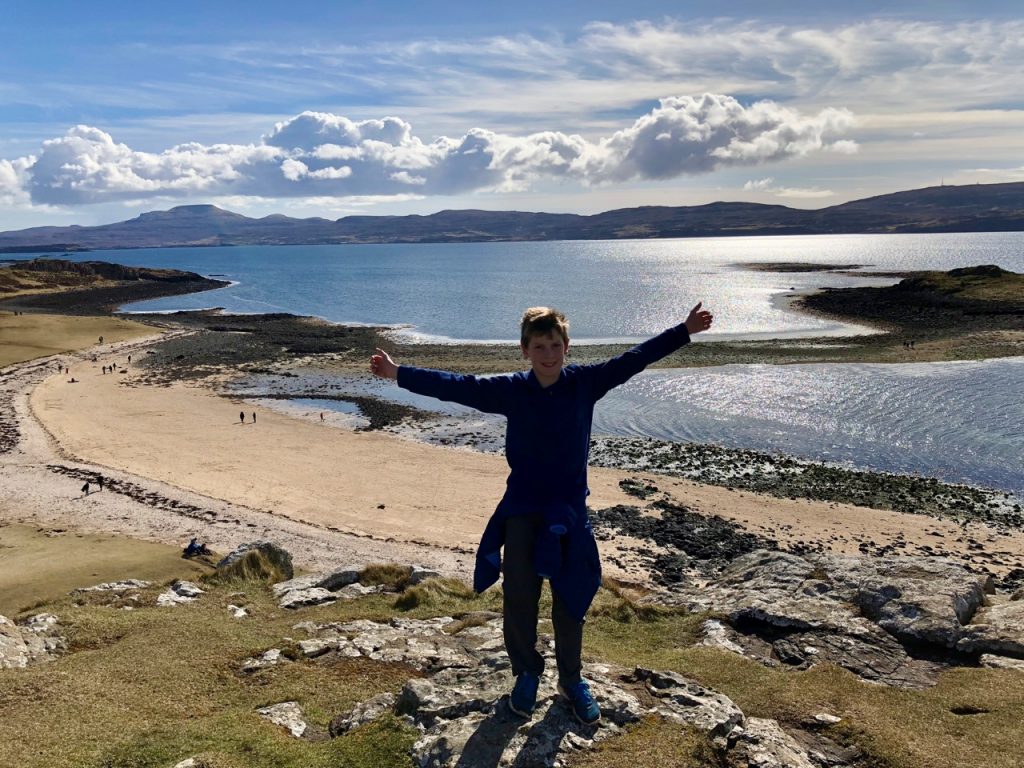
column 610, row 289
column 963, row 421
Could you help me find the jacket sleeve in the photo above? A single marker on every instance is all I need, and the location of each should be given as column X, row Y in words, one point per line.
column 490, row 394
column 618, row 370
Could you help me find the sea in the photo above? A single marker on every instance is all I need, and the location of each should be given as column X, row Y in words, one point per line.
column 961, row 422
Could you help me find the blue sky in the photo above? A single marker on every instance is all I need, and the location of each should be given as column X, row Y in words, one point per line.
column 108, row 109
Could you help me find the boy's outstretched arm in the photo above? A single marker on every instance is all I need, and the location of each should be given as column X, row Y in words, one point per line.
column 698, row 320
column 618, row 370
column 382, row 365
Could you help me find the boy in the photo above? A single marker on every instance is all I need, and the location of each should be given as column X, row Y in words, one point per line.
column 542, row 520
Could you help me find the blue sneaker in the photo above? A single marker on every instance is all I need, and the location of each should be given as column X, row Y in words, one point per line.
column 584, row 705
column 523, row 698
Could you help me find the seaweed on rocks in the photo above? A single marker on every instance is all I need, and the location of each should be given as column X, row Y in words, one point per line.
column 690, row 541
column 788, row 477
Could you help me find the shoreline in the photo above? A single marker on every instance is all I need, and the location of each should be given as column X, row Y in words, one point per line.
column 179, row 376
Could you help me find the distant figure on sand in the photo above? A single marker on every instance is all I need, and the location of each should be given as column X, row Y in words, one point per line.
column 85, row 489
column 541, row 522
column 241, row 416
column 195, row 548
column 254, row 417
column 321, row 415
column 101, row 339
column 99, row 481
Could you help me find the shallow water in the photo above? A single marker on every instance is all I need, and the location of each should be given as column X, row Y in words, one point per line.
column 960, row 422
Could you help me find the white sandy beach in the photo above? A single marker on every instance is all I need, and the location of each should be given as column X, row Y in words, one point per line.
column 331, row 495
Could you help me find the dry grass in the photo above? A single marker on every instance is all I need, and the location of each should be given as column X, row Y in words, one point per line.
column 651, row 743
column 253, row 566
column 434, row 592
column 152, row 686
column 26, row 337
column 1009, row 286
column 41, row 565
column 394, row 577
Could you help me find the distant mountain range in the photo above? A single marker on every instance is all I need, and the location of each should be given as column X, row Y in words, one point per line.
column 977, row 208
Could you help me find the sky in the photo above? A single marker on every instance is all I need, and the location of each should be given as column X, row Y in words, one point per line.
column 110, row 109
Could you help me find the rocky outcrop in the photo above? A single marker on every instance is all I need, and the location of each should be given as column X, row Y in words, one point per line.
column 327, row 587
column 997, row 629
column 179, row 592
column 263, row 557
column 458, row 699
column 33, row 640
column 889, row 620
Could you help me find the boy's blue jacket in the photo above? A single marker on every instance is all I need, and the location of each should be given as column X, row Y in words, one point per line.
column 547, row 444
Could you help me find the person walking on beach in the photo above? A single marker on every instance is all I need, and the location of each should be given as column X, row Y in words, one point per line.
column 541, row 521
column 85, row 489
column 241, row 416
column 254, row 417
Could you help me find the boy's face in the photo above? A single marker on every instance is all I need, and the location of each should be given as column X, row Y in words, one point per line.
column 546, row 353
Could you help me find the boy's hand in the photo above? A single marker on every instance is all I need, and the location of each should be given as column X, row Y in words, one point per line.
column 382, row 365
column 699, row 320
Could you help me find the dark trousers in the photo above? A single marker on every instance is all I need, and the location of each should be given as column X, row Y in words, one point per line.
column 522, row 587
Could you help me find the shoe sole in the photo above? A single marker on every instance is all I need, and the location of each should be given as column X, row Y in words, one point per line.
column 527, row 715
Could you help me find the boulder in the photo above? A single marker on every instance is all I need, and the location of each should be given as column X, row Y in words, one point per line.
column 762, row 743
column 332, row 581
column 288, row 715
column 179, row 592
column 259, row 558
column 858, row 613
column 996, row 629
column 31, row 641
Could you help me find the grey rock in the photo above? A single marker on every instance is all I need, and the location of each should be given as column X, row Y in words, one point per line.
column 179, row 592
column 32, row 641
column 423, row 644
column 116, row 586
column 996, row 629
column 273, row 553
column 332, row 581
column 992, row 661
column 688, row 702
column 267, row 659
column 419, row 573
column 288, row 715
column 304, row 598
column 317, row 647
column 362, row 713
column 784, row 609
column 763, row 744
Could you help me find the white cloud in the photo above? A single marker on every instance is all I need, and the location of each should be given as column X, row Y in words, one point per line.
column 316, row 154
column 802, row 193
column 757, row 184
column 768, row 185
column 844, row 147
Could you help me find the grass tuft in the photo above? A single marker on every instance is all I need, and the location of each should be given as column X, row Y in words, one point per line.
column 394, row 577
column 434, row 592
column 253, row 566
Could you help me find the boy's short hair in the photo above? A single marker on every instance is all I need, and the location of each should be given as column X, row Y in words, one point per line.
column 540, row 321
